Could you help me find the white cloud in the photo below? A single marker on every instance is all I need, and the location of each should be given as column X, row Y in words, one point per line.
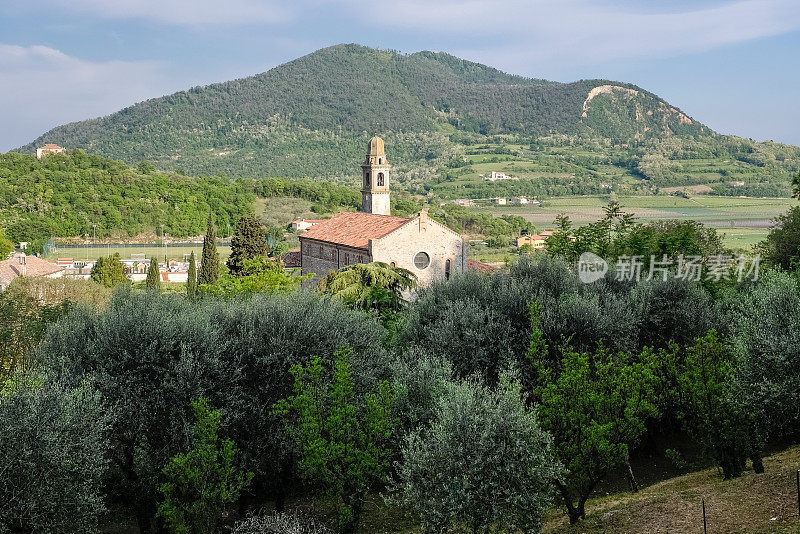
column 42, row 87
column 517, row 34
column 190, row 12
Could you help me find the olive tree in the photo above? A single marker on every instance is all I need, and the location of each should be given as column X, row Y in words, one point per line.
column 483, row 462
column 53, row 457
column 766, row 342
column 151, row 354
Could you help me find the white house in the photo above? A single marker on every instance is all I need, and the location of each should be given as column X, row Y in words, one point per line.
column 49, row 149
column 305, row 224
column 495, row 176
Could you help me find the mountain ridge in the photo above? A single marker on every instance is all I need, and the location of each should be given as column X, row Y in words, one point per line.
column 310, row 116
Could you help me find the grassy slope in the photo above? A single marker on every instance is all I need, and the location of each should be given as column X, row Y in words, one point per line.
column 744, row 505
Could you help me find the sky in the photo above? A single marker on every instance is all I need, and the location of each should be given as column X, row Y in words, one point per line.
column 733, row 65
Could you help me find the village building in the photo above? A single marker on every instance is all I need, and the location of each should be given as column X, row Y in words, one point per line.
column 495, row 176
column 518, row 200
column 49, row 149
column 425, row 247
column 534, row 240
column 305, row 224
column 500, row 201
column 465, row 202
column 22, row 265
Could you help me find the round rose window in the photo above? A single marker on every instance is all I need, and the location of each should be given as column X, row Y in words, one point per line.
column 422, row 260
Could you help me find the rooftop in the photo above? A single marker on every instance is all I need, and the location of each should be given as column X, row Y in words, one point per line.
column 479, row 266
column 12, row 268
column 354, row 229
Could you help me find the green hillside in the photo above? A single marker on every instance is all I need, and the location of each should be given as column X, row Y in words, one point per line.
column 67, row 195
column 311, row 116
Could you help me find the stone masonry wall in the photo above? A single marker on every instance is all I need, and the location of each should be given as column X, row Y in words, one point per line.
column 439, row 242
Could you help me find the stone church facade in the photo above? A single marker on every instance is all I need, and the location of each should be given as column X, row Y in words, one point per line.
column 425, row 247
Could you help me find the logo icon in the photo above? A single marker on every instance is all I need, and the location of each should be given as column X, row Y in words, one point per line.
column 591, row 267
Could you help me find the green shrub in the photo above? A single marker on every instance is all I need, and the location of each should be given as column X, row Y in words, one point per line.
column 202, row 483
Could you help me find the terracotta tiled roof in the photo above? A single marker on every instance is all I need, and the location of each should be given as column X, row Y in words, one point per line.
column 475, row 265
column 11, row 269
column 354, row 229
column 312, row 221
column 52, row 147
column 291, row 259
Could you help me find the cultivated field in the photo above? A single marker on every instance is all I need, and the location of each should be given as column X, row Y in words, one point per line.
column 743, row 221
column 93, row 252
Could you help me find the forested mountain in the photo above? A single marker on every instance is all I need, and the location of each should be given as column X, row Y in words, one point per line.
column 311, row 116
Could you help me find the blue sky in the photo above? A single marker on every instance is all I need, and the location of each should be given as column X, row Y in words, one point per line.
column 734, row 65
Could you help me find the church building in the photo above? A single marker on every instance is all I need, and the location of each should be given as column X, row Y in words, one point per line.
column 425, row 247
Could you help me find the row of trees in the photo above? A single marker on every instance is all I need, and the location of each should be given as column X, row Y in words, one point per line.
column 215, row 404
column 566, row 382
column 253, row 266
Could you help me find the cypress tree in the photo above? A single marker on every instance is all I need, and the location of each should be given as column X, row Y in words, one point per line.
column 209, row 263
column 248, row 242
column 191, row 280
column 153, row 276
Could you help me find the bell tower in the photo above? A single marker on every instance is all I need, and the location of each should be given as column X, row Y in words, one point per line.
column 375, row 179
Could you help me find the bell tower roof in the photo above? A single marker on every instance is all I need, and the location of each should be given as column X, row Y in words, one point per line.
column 375, row 147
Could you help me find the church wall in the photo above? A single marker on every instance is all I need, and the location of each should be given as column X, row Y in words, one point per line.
column 321, row 258
column 438, row 241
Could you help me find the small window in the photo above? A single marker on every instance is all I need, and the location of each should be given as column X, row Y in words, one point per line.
column 394, row 264
column 380, row 179
column 380, row 161
column 346, row 259
column 422, row 260
column 447, row 267
column 366, row 179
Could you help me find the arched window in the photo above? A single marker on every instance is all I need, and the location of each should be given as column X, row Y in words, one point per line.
column 422, row 260
column 380, row 161
column 447, row 267
column 380, row 179
column 394, row 264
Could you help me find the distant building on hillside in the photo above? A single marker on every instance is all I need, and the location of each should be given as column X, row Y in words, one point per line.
column 49, row 149
column 519, row 200
column 500, row 201
column 495, row 176
column 466, row 202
